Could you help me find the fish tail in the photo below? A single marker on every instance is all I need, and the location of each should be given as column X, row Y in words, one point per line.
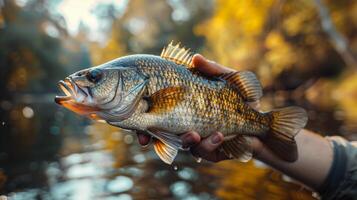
column 286, row 123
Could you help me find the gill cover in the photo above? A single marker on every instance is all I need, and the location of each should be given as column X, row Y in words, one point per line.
column 131, row 88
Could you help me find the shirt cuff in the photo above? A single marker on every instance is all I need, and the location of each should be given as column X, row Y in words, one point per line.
column 337, row 171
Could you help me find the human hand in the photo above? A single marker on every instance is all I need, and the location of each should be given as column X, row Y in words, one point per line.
column 206, row 148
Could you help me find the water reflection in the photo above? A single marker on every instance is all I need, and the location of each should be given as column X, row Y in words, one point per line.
column 188, row 173
column 78, row 160
column 120, row 184
column 180, row 189
column 110, row 165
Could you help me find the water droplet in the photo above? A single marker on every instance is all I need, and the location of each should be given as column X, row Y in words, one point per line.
column 175, row 167
column 3, row 123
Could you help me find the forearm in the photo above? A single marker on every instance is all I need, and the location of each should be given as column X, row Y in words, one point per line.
column 314, row 161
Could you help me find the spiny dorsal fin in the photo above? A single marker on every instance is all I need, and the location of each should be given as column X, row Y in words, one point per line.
column 178, row 55
column 247, row 83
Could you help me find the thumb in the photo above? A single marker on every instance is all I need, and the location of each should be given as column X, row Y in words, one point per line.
column 208, row 67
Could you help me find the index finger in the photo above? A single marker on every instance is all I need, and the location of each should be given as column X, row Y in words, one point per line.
column 208, row 67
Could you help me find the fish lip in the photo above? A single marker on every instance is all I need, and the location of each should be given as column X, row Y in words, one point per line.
column 60, row 99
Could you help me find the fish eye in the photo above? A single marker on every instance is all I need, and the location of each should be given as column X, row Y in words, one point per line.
column 94, row 75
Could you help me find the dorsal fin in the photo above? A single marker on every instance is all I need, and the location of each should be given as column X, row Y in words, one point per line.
column 178, row 55
column 247, row 83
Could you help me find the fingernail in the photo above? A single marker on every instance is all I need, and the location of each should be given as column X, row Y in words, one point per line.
column 216, row 139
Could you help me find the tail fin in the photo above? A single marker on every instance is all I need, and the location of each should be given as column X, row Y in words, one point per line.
column 286, row 123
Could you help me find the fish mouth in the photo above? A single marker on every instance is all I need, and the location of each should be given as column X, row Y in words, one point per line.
column 75, row 98
column 67, row 89
column 73, row 92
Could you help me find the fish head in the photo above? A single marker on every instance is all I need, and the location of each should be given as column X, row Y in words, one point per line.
column 86, row 91
column 110, row 92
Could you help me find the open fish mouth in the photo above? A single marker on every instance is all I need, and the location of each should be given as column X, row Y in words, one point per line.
column 70, row 90
column 67, row 88
column 76, row 98
column 73, row 93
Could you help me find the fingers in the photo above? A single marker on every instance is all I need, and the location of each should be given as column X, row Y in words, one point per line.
column 208, row 148
column 143, row 138
column 190, row 139
column 209, row 144
column 208, row 67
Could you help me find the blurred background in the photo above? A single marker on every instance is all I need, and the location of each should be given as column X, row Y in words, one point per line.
column 304, row 52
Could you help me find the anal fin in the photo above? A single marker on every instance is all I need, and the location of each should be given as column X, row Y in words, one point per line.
column 239, row 148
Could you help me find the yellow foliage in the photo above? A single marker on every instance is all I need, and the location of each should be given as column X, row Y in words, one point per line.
column 277, row 47
column 320, row 93
column 232, row 33
column 346, row 95
column 268, row 37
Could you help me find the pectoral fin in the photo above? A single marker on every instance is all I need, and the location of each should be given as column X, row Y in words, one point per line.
column 166, row 99
column 166, row 145
column 247, row 83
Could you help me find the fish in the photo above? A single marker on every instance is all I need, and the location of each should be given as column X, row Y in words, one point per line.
column 166, row 96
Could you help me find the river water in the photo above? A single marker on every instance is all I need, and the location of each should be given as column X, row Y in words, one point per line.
column 68, row 157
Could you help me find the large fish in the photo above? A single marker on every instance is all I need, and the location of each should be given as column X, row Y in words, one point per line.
column 165, row 97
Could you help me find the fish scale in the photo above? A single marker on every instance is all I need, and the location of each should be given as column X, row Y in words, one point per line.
column 205, row 97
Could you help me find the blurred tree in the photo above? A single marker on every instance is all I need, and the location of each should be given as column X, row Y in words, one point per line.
column 143, row 30
column 32, row 60
column 29, row 60
column 271, row 37
column 27, row 47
